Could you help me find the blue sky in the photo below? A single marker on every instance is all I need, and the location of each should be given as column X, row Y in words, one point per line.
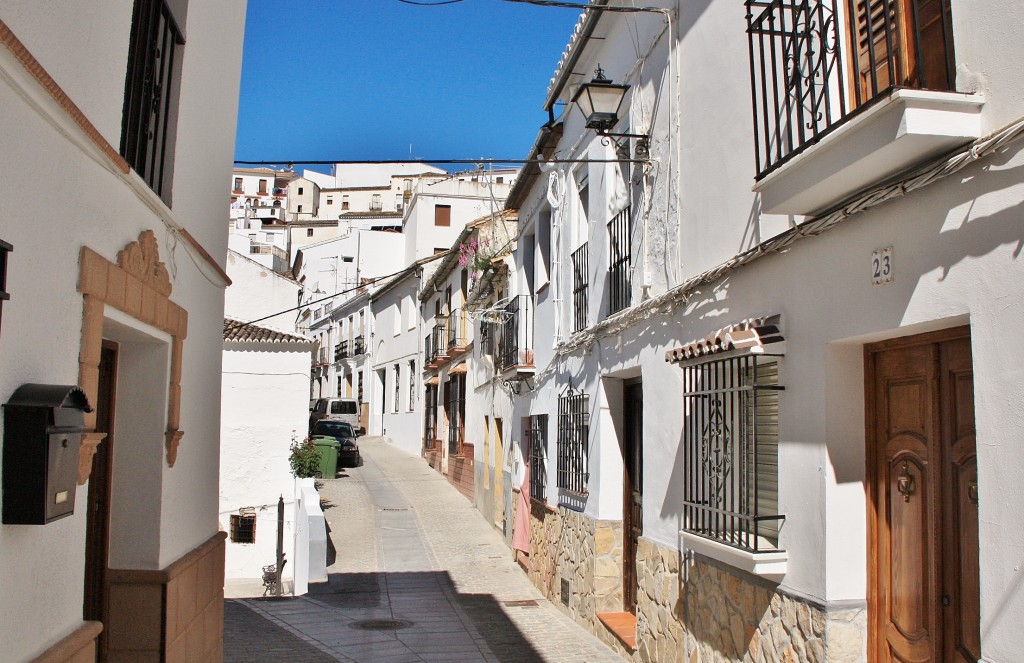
column 364, row 79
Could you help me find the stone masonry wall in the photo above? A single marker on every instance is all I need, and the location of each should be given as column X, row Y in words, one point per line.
column 688, row 611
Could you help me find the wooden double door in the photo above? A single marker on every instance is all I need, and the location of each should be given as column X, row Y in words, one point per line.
column 923, row 506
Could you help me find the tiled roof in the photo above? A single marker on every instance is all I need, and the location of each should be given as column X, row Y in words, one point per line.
column 752, row 334
column 373, row 215
column 244, row 332
column 383, row 187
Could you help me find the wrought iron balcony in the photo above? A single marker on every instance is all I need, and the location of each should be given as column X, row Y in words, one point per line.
column 359, row 345
column 580, row 282
column 815, row 63
column 456, row 331
column 435, row 345
column 341, row 351
column 515, row 345
column 620, row 230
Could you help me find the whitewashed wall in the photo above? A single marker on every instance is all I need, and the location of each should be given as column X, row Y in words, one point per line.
column 396, row 341
column 257, row 291
column 264, row 403
column 84, row 48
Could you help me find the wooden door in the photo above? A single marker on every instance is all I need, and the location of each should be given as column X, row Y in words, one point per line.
column 499, row 473
column 632, row 511
column 97, row 535
column 923, row 516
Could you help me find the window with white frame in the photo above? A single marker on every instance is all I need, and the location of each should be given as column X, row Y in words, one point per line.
column 731, row 446
column 412, row 385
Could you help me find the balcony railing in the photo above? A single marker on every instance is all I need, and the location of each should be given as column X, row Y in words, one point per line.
column 456, row 330
column 619, row 251
column 580, row 280
column 278, row 193
column 359, row 347
column 321, row 358
column 800, row 60
column 516, row 340
column 436, row 344
column 341, row 351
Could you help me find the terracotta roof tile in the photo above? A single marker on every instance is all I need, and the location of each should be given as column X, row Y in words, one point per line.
column 243, row 332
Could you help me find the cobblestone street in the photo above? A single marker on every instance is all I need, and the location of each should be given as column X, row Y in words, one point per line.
column 415, row 574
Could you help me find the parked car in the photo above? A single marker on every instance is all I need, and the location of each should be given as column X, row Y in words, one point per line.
column 336, row 409
column 348, row 453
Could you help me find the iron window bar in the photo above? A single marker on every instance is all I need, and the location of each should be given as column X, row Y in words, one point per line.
column 341, row 350
column 537, row 439
column 430, row 416
column 516, row 341
column 799, row 70
column 150, row 88
column 456, row 329
column 730, row 440
column 573, row 469
column 620, row 230
column 580, row 280
column 456, row 413
column 360, row 345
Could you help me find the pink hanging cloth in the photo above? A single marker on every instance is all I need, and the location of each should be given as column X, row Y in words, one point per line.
column 521, row 525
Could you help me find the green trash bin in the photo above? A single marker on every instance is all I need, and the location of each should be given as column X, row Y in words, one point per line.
column 328, row 448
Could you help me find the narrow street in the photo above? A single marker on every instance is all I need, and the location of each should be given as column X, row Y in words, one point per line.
column 415, row 574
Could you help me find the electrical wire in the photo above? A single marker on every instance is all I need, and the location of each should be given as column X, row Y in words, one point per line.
column 340, row 292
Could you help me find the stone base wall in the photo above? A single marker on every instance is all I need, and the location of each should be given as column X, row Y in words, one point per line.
column 695, row 610
column 567, row 545
column 699, row 610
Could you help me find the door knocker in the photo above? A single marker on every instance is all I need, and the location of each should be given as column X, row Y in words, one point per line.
column 972, row 492
column 905, row 483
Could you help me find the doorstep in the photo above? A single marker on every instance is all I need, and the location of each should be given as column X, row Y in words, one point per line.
column 622, row 625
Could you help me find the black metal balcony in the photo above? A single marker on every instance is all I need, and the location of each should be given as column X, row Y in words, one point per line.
column 580, row 282
column 804, row 84
column 436, row 344
column 359, row 347
column 456, row 331
column 516, row 341
column 341, row 351
column 620, row 291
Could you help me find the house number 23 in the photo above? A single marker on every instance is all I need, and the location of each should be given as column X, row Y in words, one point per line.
column 881, row 266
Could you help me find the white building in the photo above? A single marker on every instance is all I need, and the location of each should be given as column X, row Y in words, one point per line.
column 824, row 466
column 113, row 289
column 264, row 398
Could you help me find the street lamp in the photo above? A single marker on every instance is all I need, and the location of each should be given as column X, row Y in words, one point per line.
column 599, row 101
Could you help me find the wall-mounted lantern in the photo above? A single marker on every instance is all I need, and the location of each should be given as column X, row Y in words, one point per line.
column 43, row 425
column 599, row 101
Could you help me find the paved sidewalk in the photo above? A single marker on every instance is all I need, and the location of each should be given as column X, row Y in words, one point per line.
column 415, row 574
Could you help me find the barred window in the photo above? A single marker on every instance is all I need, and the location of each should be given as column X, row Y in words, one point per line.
column 243, row 525
column 580, row 285
column 398, row 386
column 150, row 96
column 573, row 433
column 620, row 229
column 456, row 410
column 430, row 416
column 731, row 443
column 412, row 384
column 537, row 441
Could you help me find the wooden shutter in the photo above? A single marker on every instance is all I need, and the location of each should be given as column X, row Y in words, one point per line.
column 904, row 42
column 442, row 215
column 762, row 420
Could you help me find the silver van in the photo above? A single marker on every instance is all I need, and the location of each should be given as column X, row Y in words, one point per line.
column 338, row 409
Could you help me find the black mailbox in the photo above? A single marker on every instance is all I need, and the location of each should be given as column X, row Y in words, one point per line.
column 43, row 426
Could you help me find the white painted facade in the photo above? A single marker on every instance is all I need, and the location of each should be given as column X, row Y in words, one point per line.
column 257, row 291
column 954, row 247
column 264, row 407
column 396, row 362
column 159, row 513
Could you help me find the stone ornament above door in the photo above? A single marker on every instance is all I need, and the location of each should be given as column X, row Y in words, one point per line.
column 140, row 286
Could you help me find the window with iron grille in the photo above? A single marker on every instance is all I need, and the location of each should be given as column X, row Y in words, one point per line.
column 537, row 439
column 456, row 411
column 620, row 230
column 243, row 526
column 150, row 95
column 412, row 384
column 580, row 276
column 430, row 416
column 573, row 470
column 731, row 443
column 398, row 386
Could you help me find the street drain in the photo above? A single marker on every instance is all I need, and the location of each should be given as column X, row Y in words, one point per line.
column 381, row 624
column 395, row 508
